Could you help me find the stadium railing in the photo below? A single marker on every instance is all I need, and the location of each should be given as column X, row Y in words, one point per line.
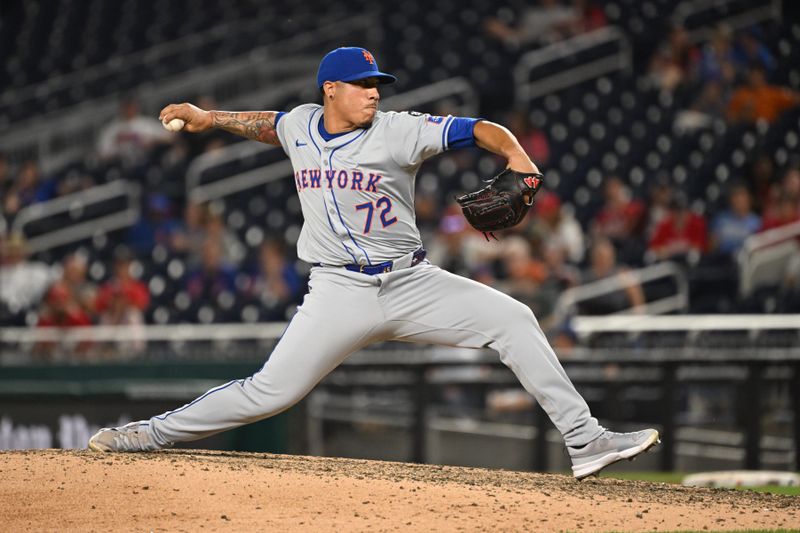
column 88, row 212
column 764, row 257
column 572, row 297
column 702, row 18
column 570, row 62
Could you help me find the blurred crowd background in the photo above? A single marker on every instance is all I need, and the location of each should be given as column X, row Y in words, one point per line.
column 668, row 133
column 679, row 158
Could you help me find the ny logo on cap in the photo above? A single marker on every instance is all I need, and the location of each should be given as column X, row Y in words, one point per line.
column 368, row 56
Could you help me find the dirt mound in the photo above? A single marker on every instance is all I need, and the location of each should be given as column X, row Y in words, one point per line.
column 183, row 490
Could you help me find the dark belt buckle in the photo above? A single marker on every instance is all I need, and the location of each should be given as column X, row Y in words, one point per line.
column 387, row 268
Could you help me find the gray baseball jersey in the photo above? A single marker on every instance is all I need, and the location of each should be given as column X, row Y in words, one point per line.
column 357, row 189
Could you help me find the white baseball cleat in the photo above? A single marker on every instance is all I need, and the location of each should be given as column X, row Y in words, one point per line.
column 609, row 448
column 131, row 437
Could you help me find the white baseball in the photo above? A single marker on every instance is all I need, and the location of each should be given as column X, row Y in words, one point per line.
column 175, row 124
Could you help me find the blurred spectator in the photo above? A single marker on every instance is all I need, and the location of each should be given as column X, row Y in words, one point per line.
column 621, row 219
column 760, row 177
column 233, row 251
column 783, row 212
column 188, row 238
column 524, row 272
column 74, row 279
column 757, row 100
column 560, row 276
column 545, row 22
column 731, row 227
column 658, row 206
column 532, row 140
column 749, row 49
column 157, row 226
column 130, row 137
column 784, row 206
column 27, row 189
column 122, row 293
column 61, row 309
column 681, row 235
column 22, row 282
column 717, row 60
column 277, row 284
column 74, row 181
column 603, row 264
column 457, row 247
column 705, row 110
column 673, row 61
column 6, row 182
column 558, row 228
column 588, row 17
column 213, row 276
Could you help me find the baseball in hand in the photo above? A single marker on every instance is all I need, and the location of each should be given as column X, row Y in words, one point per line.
column 175, row 124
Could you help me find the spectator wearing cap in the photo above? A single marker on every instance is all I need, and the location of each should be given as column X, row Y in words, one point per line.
column 156, row 227
column 731, row 227
column 681, row 235
column 22, row 282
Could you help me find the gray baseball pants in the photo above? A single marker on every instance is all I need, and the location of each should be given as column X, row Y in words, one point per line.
column 345, row 311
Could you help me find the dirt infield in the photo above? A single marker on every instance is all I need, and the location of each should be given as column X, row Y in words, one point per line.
column 212, row 491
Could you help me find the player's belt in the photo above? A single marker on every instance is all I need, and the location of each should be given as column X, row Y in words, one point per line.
column 408, row 260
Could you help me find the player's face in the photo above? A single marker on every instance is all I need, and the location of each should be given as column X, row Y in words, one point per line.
column 358, row 101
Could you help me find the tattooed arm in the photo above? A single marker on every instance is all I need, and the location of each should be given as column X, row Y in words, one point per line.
column 256, row 125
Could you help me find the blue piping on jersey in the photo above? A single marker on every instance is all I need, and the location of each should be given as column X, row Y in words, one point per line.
column 444, row 132
column 309, row 130
column 336, row 203
column 346, row 249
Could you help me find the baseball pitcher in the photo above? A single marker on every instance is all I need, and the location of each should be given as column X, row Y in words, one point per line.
column 354, row 170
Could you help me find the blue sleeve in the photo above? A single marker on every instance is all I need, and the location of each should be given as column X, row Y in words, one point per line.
column 278, row 117
column 459, row 133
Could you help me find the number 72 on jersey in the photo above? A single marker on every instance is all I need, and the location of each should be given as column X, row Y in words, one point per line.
column 384, row 206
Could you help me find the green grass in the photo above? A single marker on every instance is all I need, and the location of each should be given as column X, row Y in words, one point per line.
column 677, row 477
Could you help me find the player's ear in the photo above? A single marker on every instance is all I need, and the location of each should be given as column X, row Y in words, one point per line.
column 329, row 89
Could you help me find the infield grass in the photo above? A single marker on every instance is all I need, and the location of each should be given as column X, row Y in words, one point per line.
column 677, row 477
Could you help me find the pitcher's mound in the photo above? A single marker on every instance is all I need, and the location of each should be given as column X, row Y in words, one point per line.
column 183, row 490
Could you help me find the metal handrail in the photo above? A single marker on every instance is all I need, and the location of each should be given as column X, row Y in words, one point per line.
column 587, row 325
column 750, row 15
column 583, row 325
column 80, row 230
column 679, row 302
column 761, row 245
column 527, row 90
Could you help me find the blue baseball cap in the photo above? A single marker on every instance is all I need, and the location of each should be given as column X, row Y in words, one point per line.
column 350, row 63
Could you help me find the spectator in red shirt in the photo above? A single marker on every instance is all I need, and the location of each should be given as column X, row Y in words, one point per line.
column 133, row 292
column 621, row 220
column 681, row 235
column 61, row 309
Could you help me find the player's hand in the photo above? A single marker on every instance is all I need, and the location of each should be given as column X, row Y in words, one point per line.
column 196, row 119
